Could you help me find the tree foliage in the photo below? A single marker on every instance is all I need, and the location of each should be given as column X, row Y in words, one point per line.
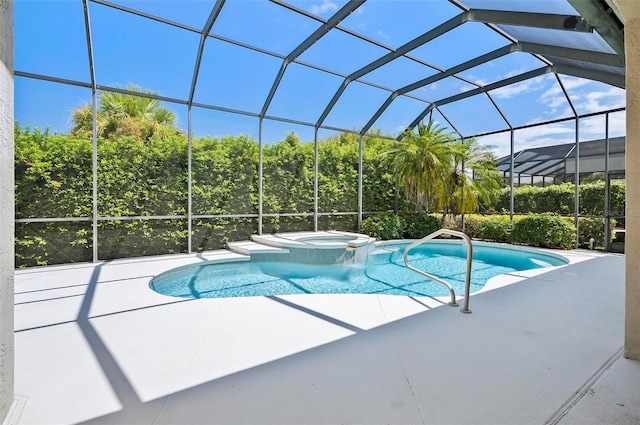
column 149, row 177
column 440, row 173
column 422, row 160
column 122, row 114
column 472, row 177
column 560, row 199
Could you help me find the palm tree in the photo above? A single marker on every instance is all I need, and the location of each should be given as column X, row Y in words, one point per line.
column 124, row 114
column 473, row 177
column 421, row 161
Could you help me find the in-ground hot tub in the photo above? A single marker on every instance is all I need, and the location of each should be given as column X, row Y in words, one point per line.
column 325, row 247
column 324, row 239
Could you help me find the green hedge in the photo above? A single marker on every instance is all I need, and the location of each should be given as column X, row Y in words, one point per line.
column 496, row 229
column 594, row 228
column 544, row 230
column 137, row 177
column 560, row 199
column 420, row 225
column 384, row 226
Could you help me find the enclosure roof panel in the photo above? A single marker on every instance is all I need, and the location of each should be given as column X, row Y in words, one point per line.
column 549, row 160
column 481, row 66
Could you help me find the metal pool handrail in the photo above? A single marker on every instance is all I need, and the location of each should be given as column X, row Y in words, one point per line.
column 467, row 286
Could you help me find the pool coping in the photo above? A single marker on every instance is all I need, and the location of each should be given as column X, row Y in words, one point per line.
column 305, row 239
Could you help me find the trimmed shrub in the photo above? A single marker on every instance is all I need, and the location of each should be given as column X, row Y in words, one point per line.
column 496, row 229
column 594, row 228
column 420, row 225
column 559, row 199
column 452, row 222
column 472, row 224
column 544, row 230
column 384, row 226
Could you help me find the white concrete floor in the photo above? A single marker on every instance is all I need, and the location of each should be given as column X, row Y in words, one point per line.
column 95, row 345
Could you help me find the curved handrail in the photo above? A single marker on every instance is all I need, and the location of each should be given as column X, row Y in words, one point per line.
column 467, row 286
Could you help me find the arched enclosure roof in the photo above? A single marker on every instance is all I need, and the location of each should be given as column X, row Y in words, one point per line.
column 317, row 63
column 557, row 161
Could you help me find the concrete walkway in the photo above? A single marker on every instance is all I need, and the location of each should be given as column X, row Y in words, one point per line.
column 95, row 345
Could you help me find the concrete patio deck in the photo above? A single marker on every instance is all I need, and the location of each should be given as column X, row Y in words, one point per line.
column 95, row 345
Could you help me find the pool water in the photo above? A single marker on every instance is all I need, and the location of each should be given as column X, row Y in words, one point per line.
column 383, row 273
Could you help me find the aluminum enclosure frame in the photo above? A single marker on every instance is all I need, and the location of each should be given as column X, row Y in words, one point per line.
column 494, row 19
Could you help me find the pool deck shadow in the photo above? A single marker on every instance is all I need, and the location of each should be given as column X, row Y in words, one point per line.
column 95, row 345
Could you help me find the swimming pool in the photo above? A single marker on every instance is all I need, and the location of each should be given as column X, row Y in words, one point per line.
column 382, row 273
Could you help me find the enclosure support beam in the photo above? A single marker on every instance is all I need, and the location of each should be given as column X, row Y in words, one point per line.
column 607, row 24
column 396, row 184
column 607, row 187
column 94, row 132
column 189, row 183
column 484, row 89
column 611, row 78
column 404, row 49
column 577, row 184
column 511, row 161
column 360, row 177
column 260, row 184
column 341, row 14
column 7, row 214
column 315, row 179
column 94, row 172
column 530, row 19
column 608, row 59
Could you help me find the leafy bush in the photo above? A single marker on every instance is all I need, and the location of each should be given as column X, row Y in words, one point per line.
column 149, row 177
column 525, row 199
column 544, row 230
column 594, row 228
column 384, row 226
column 557, row 198
column 496, row 229
column 473, row 223
column 452, row 222
column 420, row 225
column 560, row 199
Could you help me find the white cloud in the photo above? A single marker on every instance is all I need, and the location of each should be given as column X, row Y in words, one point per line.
column 512, row 90
column 383, row 35
column 326, row 6
column 594, row 127
column 610, row 98
column 571, row 83
column 617, row 124
column 527, row 86
column 533, row 137
column 499, row 144
column 560, row 131
column 587, row 96
column 426, row 89
column 499, row 77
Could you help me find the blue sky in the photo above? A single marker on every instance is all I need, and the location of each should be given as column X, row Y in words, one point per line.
column 50, row 40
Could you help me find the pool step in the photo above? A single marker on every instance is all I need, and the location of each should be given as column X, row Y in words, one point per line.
column 223, row 256
column 249, row 247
